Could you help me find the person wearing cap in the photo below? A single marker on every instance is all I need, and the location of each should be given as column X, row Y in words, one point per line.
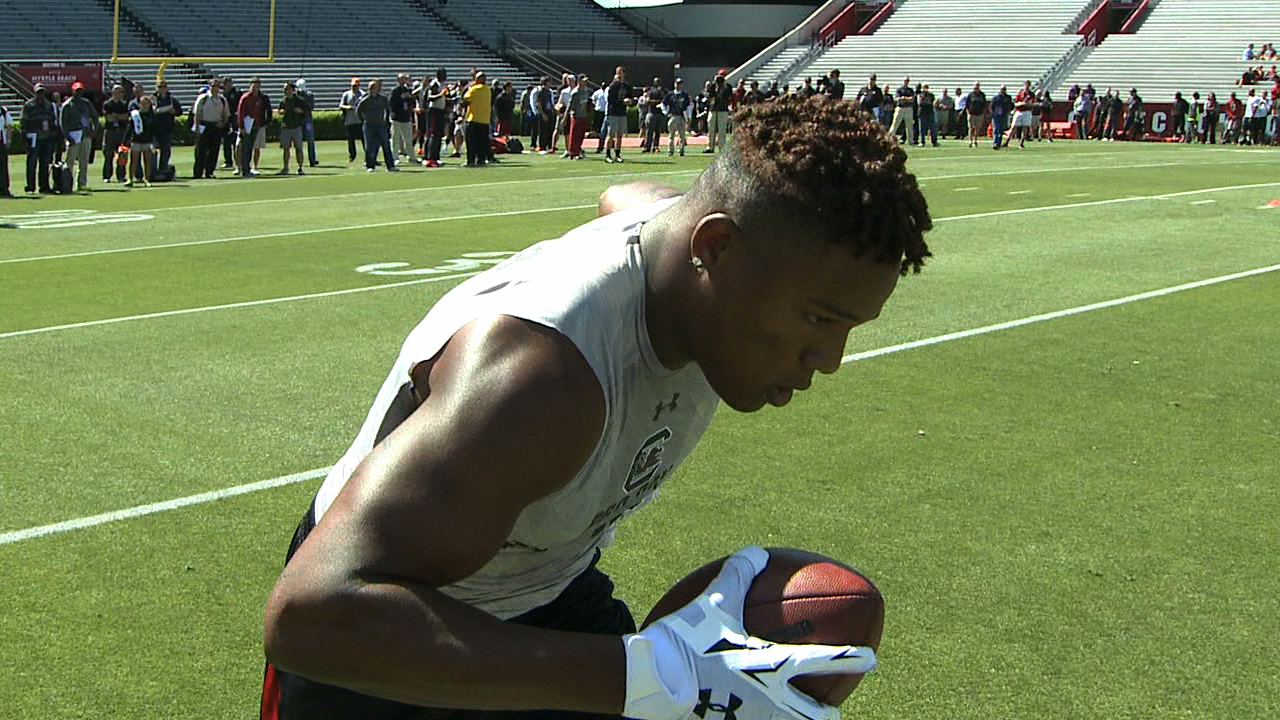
column 6, row 133
column 293, row 112
column 232, row 95
column 579, row 117
column 79, row 122
column 719, row 97
column 678, row 106
column 167, row 109
column 402, row 105
column 351, row 121
column 39, row 124
column 308, row 122
column 210, row 118
column 115, row 114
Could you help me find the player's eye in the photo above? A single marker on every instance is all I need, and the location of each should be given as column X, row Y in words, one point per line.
column 817, row 319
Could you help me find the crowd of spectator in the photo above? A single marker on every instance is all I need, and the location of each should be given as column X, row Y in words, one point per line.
column 423, row 121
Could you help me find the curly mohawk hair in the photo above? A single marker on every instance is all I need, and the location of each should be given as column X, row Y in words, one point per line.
column 825, row 164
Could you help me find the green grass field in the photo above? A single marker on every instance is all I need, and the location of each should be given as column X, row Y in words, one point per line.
column 1075, row 516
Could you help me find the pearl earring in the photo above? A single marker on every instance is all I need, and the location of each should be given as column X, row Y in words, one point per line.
column 696, row 262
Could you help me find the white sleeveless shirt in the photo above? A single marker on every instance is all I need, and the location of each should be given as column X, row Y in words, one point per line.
column 589, row 285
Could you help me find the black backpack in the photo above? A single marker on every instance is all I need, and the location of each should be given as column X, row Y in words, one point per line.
column 514, row 145
column 63, row 182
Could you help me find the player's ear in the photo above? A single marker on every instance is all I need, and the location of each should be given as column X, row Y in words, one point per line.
column 713, row 236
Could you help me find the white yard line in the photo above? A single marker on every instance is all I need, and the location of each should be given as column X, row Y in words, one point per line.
column 31, row 533
column 295, row 233
column 433, row 188
column 330, row 198
column 228, row 306
column 141, row 510
column 269, row 301
column 1056, row 314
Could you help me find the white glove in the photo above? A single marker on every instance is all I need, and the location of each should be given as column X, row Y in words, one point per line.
column 700, row 661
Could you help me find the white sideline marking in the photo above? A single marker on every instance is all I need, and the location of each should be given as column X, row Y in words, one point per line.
column 1076, row 195
column 501, row 182
column 1203, row 202
column 1056, row 314
column 433, row 188
column 331, row 293
column 1019, row 192
column 141, row 510
column 228, row 306
column 294, row 233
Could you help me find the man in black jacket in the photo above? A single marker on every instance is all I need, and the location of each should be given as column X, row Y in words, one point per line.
column 39, row 124
column 167, row 110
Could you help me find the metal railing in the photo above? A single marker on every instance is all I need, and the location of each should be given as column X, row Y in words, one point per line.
column 589, row 44
column 15, row 81
column 534, row 59
column 808, row 56
column 1065, row 64
column 643, row 25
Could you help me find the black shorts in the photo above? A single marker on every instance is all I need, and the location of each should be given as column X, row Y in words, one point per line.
column 586, row 605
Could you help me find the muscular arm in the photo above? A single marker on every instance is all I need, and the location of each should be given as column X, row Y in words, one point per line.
column 633, row 194
column 511, row 413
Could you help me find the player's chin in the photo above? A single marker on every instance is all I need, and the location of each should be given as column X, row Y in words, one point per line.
column 751, row 402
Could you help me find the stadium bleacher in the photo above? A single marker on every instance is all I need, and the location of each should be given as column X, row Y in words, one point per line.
column 326, row 47
column 1182, row 45
column 558, row 26
column 953, row 44
column 57, row 30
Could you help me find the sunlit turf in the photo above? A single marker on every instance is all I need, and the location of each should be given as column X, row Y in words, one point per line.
column 1073, row 518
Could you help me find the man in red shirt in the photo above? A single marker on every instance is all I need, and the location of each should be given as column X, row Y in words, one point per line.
column 1235, row 110
column 1023, row 120
column 252, row 114
column 1275, row 112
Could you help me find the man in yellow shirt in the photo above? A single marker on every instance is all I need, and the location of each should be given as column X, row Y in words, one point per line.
column 479, row 104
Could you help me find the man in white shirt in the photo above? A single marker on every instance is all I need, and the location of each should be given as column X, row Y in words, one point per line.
column 449, row 558
column 1255, row 112
column 6, row 132
column 600, row 102
column 678, row 107
column 210, row 117
column 351, row 118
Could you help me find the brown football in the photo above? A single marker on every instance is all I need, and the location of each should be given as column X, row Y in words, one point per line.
column 800, row 597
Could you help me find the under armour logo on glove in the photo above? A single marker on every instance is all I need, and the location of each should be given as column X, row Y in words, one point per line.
column 677, row 665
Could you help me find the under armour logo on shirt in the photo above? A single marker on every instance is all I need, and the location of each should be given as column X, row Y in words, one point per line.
column 670, row 407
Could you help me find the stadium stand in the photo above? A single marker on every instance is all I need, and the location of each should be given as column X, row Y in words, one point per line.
column 59, row 30
column 324, row 44
column 556, row 27
column 1182, row 45
column 952, row 44
column 780, row 65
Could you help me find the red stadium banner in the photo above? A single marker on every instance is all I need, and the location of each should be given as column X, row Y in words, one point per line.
column 58, row 76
